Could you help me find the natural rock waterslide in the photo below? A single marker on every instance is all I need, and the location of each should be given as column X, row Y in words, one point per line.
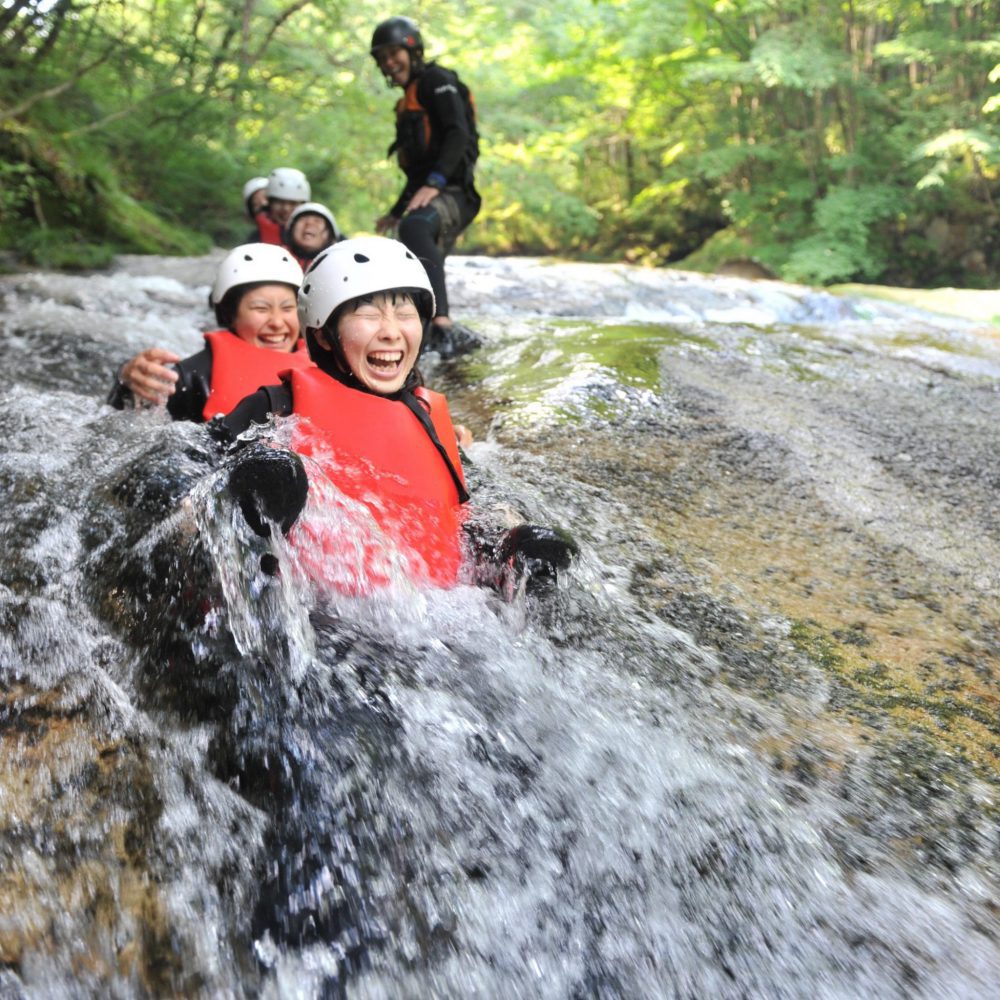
column 747, row 747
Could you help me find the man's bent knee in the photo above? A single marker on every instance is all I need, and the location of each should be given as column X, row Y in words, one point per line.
column 422, row 224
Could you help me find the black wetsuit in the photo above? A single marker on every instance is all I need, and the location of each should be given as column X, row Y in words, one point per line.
column 253, row 409
column 194, row 381
column 306, row 257
column 445, row 160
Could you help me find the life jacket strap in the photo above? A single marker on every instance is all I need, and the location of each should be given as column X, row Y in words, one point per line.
column 418, row 408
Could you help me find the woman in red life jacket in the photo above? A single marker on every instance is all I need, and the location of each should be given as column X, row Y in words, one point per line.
column 381, row 447
column 287, row 188
column 372, row 429
column 254, row 301
column 310, row 229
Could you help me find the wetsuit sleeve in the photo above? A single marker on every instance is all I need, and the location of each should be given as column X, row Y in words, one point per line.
column 252, row 409
column 438, row 93
column 120, row 395
column 399, row 209
column 194, row 380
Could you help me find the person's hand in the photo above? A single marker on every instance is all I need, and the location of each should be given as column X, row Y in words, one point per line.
column 270, row 485
column 535, row 554
column 148, row 377
column 424, row 196
column 386, row 223
column 463, row 435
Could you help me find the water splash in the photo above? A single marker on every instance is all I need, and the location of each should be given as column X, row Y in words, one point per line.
column 742, row 748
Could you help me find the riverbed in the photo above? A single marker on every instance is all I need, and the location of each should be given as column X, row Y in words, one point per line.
column 747, row 746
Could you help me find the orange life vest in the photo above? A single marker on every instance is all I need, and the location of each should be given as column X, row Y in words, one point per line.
column 377, row 453
column 268, row 230
column 239, row 368
column 415, row 139
column 413, row 127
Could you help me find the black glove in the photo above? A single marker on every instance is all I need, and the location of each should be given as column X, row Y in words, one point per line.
column 449, row 341
column 269, row 485
column 536, row 553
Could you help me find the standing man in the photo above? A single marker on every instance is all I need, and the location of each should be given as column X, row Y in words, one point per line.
column 437, row 147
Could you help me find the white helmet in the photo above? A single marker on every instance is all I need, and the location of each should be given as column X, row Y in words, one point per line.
column 289, row 184
column 252, row 263
column 361, row 266
column 253, row 185
column 314, row 208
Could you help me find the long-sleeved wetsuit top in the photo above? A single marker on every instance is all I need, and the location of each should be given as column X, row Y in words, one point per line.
column 445, row 158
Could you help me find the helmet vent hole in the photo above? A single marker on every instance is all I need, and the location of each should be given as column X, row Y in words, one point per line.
column 361, row 258
column 305, row 290
column 247, row 256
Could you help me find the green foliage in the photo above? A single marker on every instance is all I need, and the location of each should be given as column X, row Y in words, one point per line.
column 538, row 219
column 61, row 248
column 792, row 56
column 20, row 191
column 823, row 140
column 961, row 148
column 844, row 245
column 842, row 147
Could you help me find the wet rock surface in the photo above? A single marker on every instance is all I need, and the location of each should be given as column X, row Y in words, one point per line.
column 826, row 520
column 748, row 745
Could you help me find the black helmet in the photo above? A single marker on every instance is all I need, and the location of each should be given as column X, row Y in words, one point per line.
column 398, row 31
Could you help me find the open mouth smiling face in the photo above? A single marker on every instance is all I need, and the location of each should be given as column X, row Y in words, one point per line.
column 311, row 232
column 380, row 337
column 394, row 62
column 267, row 317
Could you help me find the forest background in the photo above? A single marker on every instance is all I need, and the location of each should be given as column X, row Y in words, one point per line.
column 829, row 142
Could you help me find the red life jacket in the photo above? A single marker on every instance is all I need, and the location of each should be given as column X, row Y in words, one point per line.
column 268, row 230
column 377, row 454
column 239, row 368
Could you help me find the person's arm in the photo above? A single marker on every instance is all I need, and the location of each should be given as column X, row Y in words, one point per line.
column 252, row 409
column 528, row 556
column 120, row 395
column 271, row 487
column 399, row 209
column 438, row 93
column 191, row 390
column 269, row 484
column 145, row 377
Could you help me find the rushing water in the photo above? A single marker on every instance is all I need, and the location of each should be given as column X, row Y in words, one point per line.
column 747, row 747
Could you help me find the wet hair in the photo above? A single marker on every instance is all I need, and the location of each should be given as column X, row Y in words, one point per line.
column 229, row 305
column 334, row 361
